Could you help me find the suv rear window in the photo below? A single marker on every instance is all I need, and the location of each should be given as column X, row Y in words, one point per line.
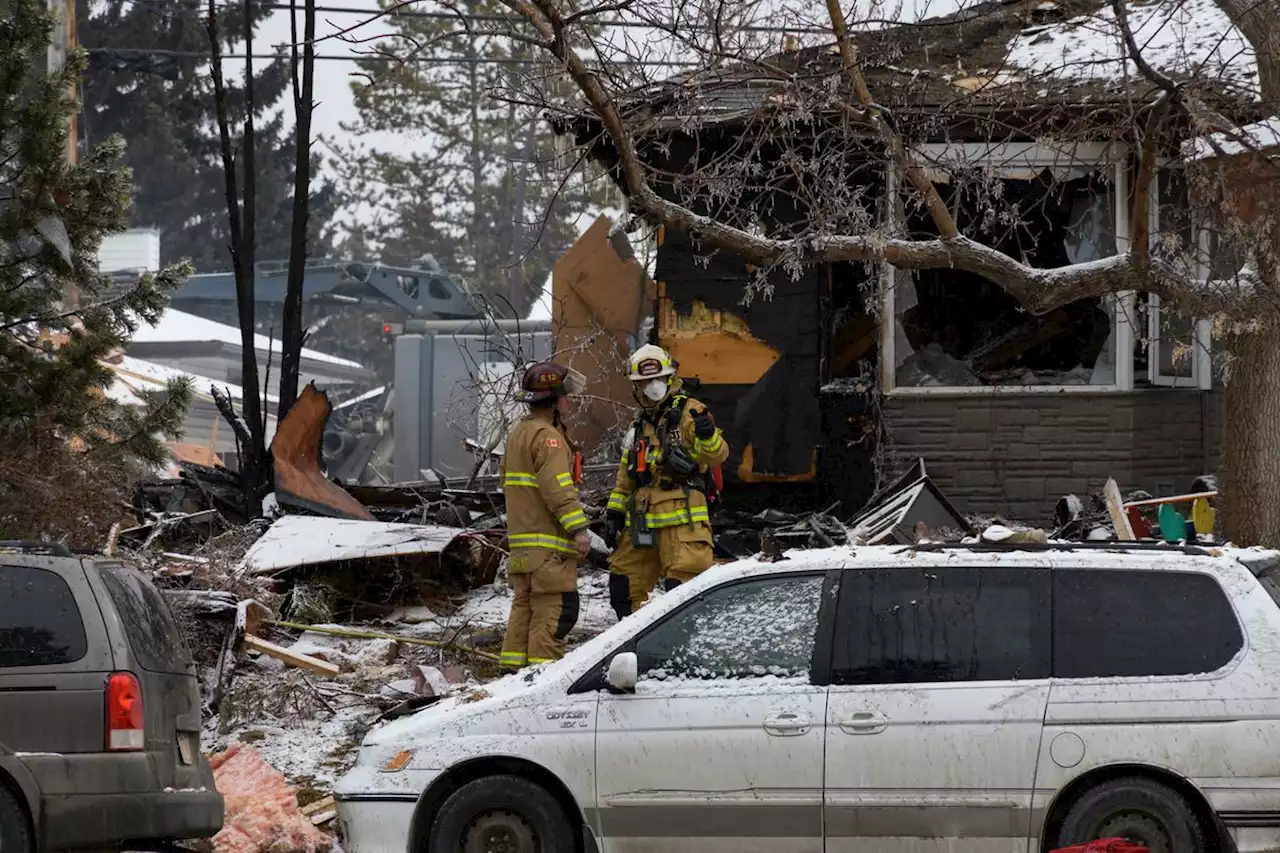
column 40, row 623
column 153, row 635
column 1115, row 623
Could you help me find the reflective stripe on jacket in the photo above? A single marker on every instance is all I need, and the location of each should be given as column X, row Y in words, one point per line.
column 667, row 504
column 543, row 509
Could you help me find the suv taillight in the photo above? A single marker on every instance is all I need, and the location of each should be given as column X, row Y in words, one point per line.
column 124, row 713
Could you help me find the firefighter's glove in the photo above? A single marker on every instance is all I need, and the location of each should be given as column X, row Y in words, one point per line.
column 614, row 522
column 704, row 426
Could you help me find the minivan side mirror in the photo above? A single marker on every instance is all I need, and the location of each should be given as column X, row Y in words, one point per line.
column 624, row 671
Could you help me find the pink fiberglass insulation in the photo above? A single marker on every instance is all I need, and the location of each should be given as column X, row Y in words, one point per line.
column 262, row 813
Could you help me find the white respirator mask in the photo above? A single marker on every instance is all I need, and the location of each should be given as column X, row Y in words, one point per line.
column 655, row 390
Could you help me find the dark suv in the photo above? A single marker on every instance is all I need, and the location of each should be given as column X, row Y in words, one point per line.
column 99, row 709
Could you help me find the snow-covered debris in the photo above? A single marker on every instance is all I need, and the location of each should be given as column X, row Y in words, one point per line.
column 1260, row 136
column 1179, row 37
column 262, row 813
column 298, row 540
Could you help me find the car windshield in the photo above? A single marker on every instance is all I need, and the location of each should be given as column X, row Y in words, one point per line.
column 153, row 635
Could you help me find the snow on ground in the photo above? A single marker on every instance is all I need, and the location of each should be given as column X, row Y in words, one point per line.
column 488, row 606
column 1176, row 36
column 311, row 752
column 310, row 728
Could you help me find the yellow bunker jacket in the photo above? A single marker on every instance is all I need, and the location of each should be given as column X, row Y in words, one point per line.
column 665, row 500
column 543, row 509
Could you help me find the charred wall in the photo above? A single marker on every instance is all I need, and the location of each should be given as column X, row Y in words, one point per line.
column 1015, row 455
column 770, row 346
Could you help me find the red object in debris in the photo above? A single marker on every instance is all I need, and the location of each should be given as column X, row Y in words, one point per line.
column 1105, row 845
column 1141, row 527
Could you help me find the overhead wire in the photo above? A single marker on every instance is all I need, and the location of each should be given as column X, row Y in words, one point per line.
column 419, row 60
column 380, row 14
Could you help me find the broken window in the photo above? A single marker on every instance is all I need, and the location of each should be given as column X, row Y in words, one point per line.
column 956, row 329
column 1174, row 350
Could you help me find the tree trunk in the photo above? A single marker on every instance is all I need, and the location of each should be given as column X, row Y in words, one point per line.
column 1251, row 443
column 303, row 106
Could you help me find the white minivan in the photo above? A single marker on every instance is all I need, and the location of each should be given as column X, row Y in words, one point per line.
column 966, row 699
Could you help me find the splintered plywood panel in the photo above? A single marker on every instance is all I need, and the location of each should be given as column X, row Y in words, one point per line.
column 600, row 296
column 295, row 450
column 715, row 346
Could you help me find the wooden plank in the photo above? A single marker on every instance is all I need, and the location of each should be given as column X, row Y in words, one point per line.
column 1115, row 506
column 318, row 806
column 722, row 358
column 1173, row 499
column 306, row 662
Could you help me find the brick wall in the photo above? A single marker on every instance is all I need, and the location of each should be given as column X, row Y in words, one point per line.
column 1015, row 455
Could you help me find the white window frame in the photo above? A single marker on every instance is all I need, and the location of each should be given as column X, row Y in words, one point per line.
column 1202, row 333
column 1013, row 155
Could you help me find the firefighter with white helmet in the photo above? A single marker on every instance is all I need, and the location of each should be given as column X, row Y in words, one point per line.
column 659, row 522
column 546, row 524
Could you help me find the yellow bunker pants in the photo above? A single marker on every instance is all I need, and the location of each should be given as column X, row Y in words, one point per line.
column 680, row 553
column 544, row 611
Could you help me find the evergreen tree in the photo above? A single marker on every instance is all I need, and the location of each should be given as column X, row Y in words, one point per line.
column 67, row 449
column 148, row 81
column 487, row 199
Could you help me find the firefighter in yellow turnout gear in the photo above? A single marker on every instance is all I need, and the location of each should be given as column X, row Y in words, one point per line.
column 659, row 523
column 546, row 525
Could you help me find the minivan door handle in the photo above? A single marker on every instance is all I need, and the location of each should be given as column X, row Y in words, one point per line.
column 864, row 723
column 787, row 723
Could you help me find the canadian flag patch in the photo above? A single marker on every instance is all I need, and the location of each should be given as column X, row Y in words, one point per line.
column 553, row 442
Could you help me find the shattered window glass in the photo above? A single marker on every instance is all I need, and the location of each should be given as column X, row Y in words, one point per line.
column 754, row 629
column 919, row 626
column 956, row 329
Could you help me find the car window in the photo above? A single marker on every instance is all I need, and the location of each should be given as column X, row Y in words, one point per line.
column 40, row 623
column 154, row 637
column 1140, row 623
column 913, row 626
column 764, row 627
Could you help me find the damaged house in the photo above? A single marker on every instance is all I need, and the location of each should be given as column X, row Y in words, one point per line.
column 828, row 377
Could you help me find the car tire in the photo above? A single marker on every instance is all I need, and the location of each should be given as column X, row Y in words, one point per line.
column 501, row 812
column 1141, row 810
column 15, row 829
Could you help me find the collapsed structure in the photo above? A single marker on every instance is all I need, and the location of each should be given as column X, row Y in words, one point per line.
column 1022, row 113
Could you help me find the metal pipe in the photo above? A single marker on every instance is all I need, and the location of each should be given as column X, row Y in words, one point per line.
column 475, row 327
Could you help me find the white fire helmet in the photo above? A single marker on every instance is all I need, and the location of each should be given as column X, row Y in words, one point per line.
column 650, row 362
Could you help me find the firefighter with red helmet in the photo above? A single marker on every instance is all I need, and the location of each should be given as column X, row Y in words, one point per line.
column 546, row 524
column 659, row 521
